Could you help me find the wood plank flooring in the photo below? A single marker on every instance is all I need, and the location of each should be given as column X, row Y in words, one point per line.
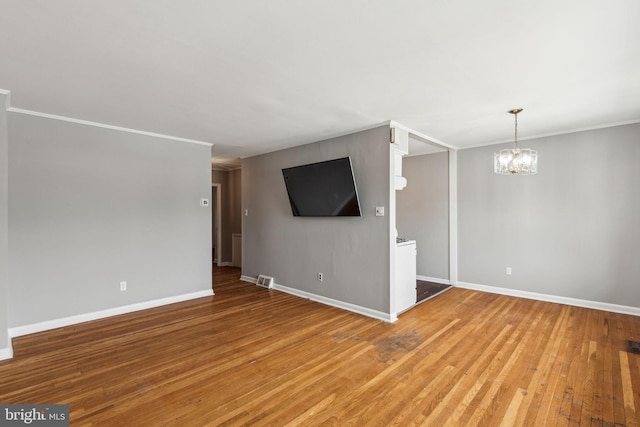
column 252, row 356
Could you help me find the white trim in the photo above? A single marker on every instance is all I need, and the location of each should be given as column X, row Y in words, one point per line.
column 248, row 279
column 615, row 308
column 392, row 230
column 328, row 301
column 72, row 320
column 311, row 141
column 420, row 135
column 225, row 264
column 561, row 132
column 336, row 303
column 433, row 279
column 6, row 93
column 105, row 126
column 218, row 259
column 7, row 352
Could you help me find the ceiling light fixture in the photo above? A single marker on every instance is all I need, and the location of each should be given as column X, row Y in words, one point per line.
column 515, row 161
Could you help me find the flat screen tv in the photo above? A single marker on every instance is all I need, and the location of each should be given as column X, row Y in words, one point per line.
column 322, row 189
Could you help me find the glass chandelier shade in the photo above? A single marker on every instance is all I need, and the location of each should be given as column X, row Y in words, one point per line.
column 515, row 161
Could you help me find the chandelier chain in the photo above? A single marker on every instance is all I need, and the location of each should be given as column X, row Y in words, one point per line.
column 516, row 131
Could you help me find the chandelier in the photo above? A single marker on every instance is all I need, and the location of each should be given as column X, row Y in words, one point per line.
column 515, row 161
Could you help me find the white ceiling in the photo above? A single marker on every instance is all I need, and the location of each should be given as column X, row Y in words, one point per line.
column 253, row 76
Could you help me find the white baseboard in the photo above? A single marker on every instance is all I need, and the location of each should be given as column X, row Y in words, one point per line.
column 248, row 279
column 433, row 280
column 329, row 301
column 615, row 308
column 7, row 352
column 225, row 264
column 336, row 303
column 72, row 320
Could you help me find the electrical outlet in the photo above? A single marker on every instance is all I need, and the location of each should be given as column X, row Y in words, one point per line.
column 507, row 271
column 320, row 277
column 123, row 286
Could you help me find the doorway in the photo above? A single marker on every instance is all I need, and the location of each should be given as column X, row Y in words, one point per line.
column 216, row 223
column 423, row 214
column 426, row 290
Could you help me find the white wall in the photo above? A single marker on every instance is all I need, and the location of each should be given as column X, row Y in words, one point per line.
column 570, row 231
column 90, row 207
column 352, row 252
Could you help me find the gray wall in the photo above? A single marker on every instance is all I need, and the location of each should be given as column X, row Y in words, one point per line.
column 231, row 209
column 353, row 253
column 234, row 206
column 4, row 224
column 572, row 230
column 422, row 212
column 90, row 207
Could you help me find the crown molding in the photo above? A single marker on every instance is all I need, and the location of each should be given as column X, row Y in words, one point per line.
column 106, row 126
column 95, row 124
column 314, row 140
column 546, row 135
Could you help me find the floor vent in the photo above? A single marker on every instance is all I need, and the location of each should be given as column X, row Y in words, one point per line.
column 265, row 281
column 634, row 347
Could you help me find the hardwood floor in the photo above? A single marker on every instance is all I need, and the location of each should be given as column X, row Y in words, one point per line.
column 252, row 356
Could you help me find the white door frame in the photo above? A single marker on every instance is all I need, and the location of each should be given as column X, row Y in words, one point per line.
column 218, row 224
column 453, row 210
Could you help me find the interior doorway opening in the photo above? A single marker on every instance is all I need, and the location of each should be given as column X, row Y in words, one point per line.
column 216, row 224
column 423, row 213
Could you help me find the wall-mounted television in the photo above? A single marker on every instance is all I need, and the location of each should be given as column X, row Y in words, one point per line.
column 322, row 189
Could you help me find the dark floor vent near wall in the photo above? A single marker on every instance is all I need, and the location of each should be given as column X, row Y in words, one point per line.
column 634, row 347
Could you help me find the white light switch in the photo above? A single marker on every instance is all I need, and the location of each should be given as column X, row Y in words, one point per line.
column 379, row 210
column 204, row 202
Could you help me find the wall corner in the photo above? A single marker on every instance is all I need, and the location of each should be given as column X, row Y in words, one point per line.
column 5, row 341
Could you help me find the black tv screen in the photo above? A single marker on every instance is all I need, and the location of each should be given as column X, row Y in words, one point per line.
column 322, row 189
